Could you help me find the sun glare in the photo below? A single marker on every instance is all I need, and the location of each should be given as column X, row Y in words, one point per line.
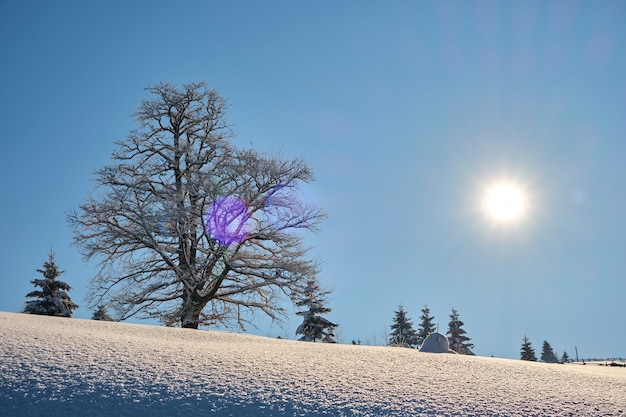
column 505, row 202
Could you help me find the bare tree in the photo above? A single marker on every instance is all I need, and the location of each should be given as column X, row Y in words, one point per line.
column 189, row 229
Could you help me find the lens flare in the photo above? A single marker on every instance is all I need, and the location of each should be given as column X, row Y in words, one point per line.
column 229, row 220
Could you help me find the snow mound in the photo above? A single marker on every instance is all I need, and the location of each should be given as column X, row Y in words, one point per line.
column 436, row 343
column 60, row 367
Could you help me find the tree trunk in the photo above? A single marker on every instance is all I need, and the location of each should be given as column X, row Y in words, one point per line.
column 190, row 317
column 191, row 324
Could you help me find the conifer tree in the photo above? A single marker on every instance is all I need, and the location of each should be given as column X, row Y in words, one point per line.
column 547, row 354
column 456, row 335
column 101, row 314
column 314, row 327
column 527, row 353
column 52, row 299
column 565, row 357
column 426, row 325
column 402, row 332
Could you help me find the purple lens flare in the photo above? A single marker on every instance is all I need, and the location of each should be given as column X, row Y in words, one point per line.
column 229, row 220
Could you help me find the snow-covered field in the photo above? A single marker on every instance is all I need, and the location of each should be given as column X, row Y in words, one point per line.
column 67, row 367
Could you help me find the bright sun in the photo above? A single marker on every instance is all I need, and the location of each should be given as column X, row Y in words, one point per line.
column 505, row 202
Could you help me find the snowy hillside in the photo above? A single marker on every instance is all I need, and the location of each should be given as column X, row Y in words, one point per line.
column 67, row 367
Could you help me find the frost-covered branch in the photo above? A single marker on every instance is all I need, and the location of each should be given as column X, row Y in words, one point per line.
column 188, row 228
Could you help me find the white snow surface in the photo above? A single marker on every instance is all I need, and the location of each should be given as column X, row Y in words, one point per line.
column 51, row 366
column 436, row 343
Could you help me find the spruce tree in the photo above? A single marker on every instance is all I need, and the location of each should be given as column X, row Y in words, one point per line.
column 402, row 332
column 52, row 299
column 456, row 335
column 101, row 314
column 426, row 325
column 314, row 327
column 565, row 357
column 528, row 353
column 547, row 354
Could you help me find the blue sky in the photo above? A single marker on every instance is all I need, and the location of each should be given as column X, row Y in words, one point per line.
column 406, row 112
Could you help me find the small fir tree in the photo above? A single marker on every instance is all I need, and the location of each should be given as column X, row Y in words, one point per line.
column 547, row 354
column 101, row 314
column 402, row 332
column 527, row 353
column 426, row 325
column 456, row 335
column 565, row 357
column 52, row 299
column 314, row 327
